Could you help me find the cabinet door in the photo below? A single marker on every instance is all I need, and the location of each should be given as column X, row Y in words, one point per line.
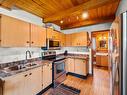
column 68, row 39
column 49, row 33
column 56, row 35
column 35, row 77
column 62, row 39
column 104, row 60
column 75, row 39
column 14, row 32
column 70, row 65
column 80, row 67
column 82, row 39
column 14, row 85
column 47, row 75
column 98, row 60
column 38, row 36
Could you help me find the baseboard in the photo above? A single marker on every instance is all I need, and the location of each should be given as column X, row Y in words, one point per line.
column 44, row 90
column 77, row 75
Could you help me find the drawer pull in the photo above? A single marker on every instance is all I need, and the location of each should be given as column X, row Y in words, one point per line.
column 25, row 75
column 30, row 74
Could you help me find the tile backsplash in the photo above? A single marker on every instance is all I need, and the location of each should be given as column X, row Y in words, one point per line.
column 16, row 54
column 73, row 49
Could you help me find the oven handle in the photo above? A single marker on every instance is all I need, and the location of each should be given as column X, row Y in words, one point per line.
column 61, row 61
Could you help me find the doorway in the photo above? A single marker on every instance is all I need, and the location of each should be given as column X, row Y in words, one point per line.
column 99, row 48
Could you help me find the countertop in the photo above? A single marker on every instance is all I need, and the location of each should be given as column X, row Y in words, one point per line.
column 100, row 53
column 4, row 74
column 39, row 63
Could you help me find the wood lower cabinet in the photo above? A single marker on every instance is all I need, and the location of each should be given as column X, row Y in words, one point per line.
column 26, row 83
column 101, row 60
column 81, row 67
column 14, row 32
column 47, row 75
column 70, row 65
column 77, row 66
column 38, row 36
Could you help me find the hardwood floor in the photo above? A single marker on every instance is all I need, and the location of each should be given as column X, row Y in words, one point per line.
column 98, row 84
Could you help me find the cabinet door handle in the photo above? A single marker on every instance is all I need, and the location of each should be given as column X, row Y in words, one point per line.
column 32, row 42
column 27, row 41
column 25, row 75
column 30, row 74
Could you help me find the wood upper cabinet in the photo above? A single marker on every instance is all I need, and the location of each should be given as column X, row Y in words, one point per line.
column 81, row 67
column 38, row 36
column 68, row 39
column 62, row 39
column 52, row 34
column 49, row 33
column 47, row 75
column 77, row 39
column 14, row 32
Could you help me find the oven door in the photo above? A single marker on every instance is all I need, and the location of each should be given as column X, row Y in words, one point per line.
column 59, row 68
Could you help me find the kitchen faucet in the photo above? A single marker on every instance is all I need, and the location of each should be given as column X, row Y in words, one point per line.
column 28, row 52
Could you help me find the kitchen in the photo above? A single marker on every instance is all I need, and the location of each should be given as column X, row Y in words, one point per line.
column 57, row 54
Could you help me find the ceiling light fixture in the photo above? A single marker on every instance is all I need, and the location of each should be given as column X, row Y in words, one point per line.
column 61, row 21
column 85, row 15
column 77, row 17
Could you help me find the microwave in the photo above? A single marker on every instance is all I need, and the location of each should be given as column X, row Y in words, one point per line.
column 53, row 44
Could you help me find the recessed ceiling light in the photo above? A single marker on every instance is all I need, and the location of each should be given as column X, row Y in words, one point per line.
column 77, row 17
column 85, row 15
column 61, row 21
column 69, row 20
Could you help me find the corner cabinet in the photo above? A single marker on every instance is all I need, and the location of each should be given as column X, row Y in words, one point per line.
column 26, row 83
column 14, row 32
column 38, row 36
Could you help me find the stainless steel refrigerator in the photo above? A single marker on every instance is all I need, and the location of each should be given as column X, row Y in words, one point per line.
column 118, row 55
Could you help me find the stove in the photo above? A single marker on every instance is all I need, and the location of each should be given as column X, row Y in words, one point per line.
column 58, row 65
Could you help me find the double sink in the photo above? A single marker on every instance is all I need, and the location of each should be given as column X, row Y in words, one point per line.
column 17, row 68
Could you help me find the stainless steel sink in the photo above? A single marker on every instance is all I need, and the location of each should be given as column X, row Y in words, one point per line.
column 30, row 64
column 14, row 68
column 17, row 68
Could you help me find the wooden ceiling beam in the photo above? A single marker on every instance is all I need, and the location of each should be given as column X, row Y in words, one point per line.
column 76, row 10
column 7, row 3
column 88, row 22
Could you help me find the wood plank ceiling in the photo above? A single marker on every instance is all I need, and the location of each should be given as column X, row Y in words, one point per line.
column 68, row 13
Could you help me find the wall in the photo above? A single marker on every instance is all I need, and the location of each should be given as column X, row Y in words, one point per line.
column 91, row 28
column 122, row 7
